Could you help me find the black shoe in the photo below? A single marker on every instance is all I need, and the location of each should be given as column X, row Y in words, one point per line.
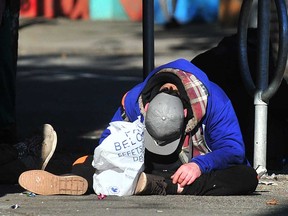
column 172, row 24
column 37, row 151
column 150, row 185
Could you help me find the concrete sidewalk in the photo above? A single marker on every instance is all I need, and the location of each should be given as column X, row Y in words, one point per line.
column 72, row 75
column 267, row 201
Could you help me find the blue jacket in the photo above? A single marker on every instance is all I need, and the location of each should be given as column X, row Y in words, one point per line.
column 222, row 132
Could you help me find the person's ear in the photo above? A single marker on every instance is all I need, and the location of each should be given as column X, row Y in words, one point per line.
column 146, row 107
column 185, row 113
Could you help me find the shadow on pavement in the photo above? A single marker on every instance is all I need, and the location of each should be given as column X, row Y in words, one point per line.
column 78, row 101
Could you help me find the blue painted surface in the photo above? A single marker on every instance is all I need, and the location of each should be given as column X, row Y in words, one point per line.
column 189, row 10
column 107, row 9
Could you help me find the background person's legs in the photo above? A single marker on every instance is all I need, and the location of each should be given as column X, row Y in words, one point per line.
column 8, row 66
column 10, row 172
column 10, row 166
column 168, row 9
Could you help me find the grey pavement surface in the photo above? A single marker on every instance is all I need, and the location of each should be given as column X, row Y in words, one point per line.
column 72, row 75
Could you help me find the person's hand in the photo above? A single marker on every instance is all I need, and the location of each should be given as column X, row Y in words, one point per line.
column 186, row 174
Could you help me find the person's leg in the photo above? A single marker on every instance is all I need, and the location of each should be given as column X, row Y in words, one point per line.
column 217, row 183
column 149, row 184
column 10, row 171
column 33, row 153
column 155, row 180
column 83, row 167
column 9, row 19
column 79, row 182
column 10, row 166
column 165, row 9
column 7, row 153
column 9, row 22
column 236, row 180
column 36, row 151
column 168, row 13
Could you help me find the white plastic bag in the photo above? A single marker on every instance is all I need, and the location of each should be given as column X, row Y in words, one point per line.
column 119, row 159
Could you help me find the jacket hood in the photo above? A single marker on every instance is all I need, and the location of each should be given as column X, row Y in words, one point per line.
column 186, row 66
column 193, row 80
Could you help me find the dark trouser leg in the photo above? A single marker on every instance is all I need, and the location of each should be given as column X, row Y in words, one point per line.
column 10, row 166
column 236, row 180
column 10, row 172
column 7, row 153
column 8, row 63
column 83, row 167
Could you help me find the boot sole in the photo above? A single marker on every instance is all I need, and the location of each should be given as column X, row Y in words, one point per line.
column 45, row 183
column 141, row 183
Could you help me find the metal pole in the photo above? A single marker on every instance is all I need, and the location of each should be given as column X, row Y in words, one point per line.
column 262, row 92
column 148, row 36
column 263, row 43
column 260, row 131
column 261, row 108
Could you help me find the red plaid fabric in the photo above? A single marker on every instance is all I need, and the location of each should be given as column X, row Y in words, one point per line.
column 198, row 96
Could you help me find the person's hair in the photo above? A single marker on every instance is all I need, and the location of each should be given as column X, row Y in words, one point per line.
column 170, row 91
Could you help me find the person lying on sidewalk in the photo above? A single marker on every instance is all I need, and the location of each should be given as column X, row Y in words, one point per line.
column 193, row 143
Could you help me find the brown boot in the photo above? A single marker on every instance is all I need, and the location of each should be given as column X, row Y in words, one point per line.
column 44, row 183
column 149, row 184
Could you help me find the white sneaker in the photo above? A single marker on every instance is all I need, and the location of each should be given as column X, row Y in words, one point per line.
column 48, row 145
column 36, row 151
